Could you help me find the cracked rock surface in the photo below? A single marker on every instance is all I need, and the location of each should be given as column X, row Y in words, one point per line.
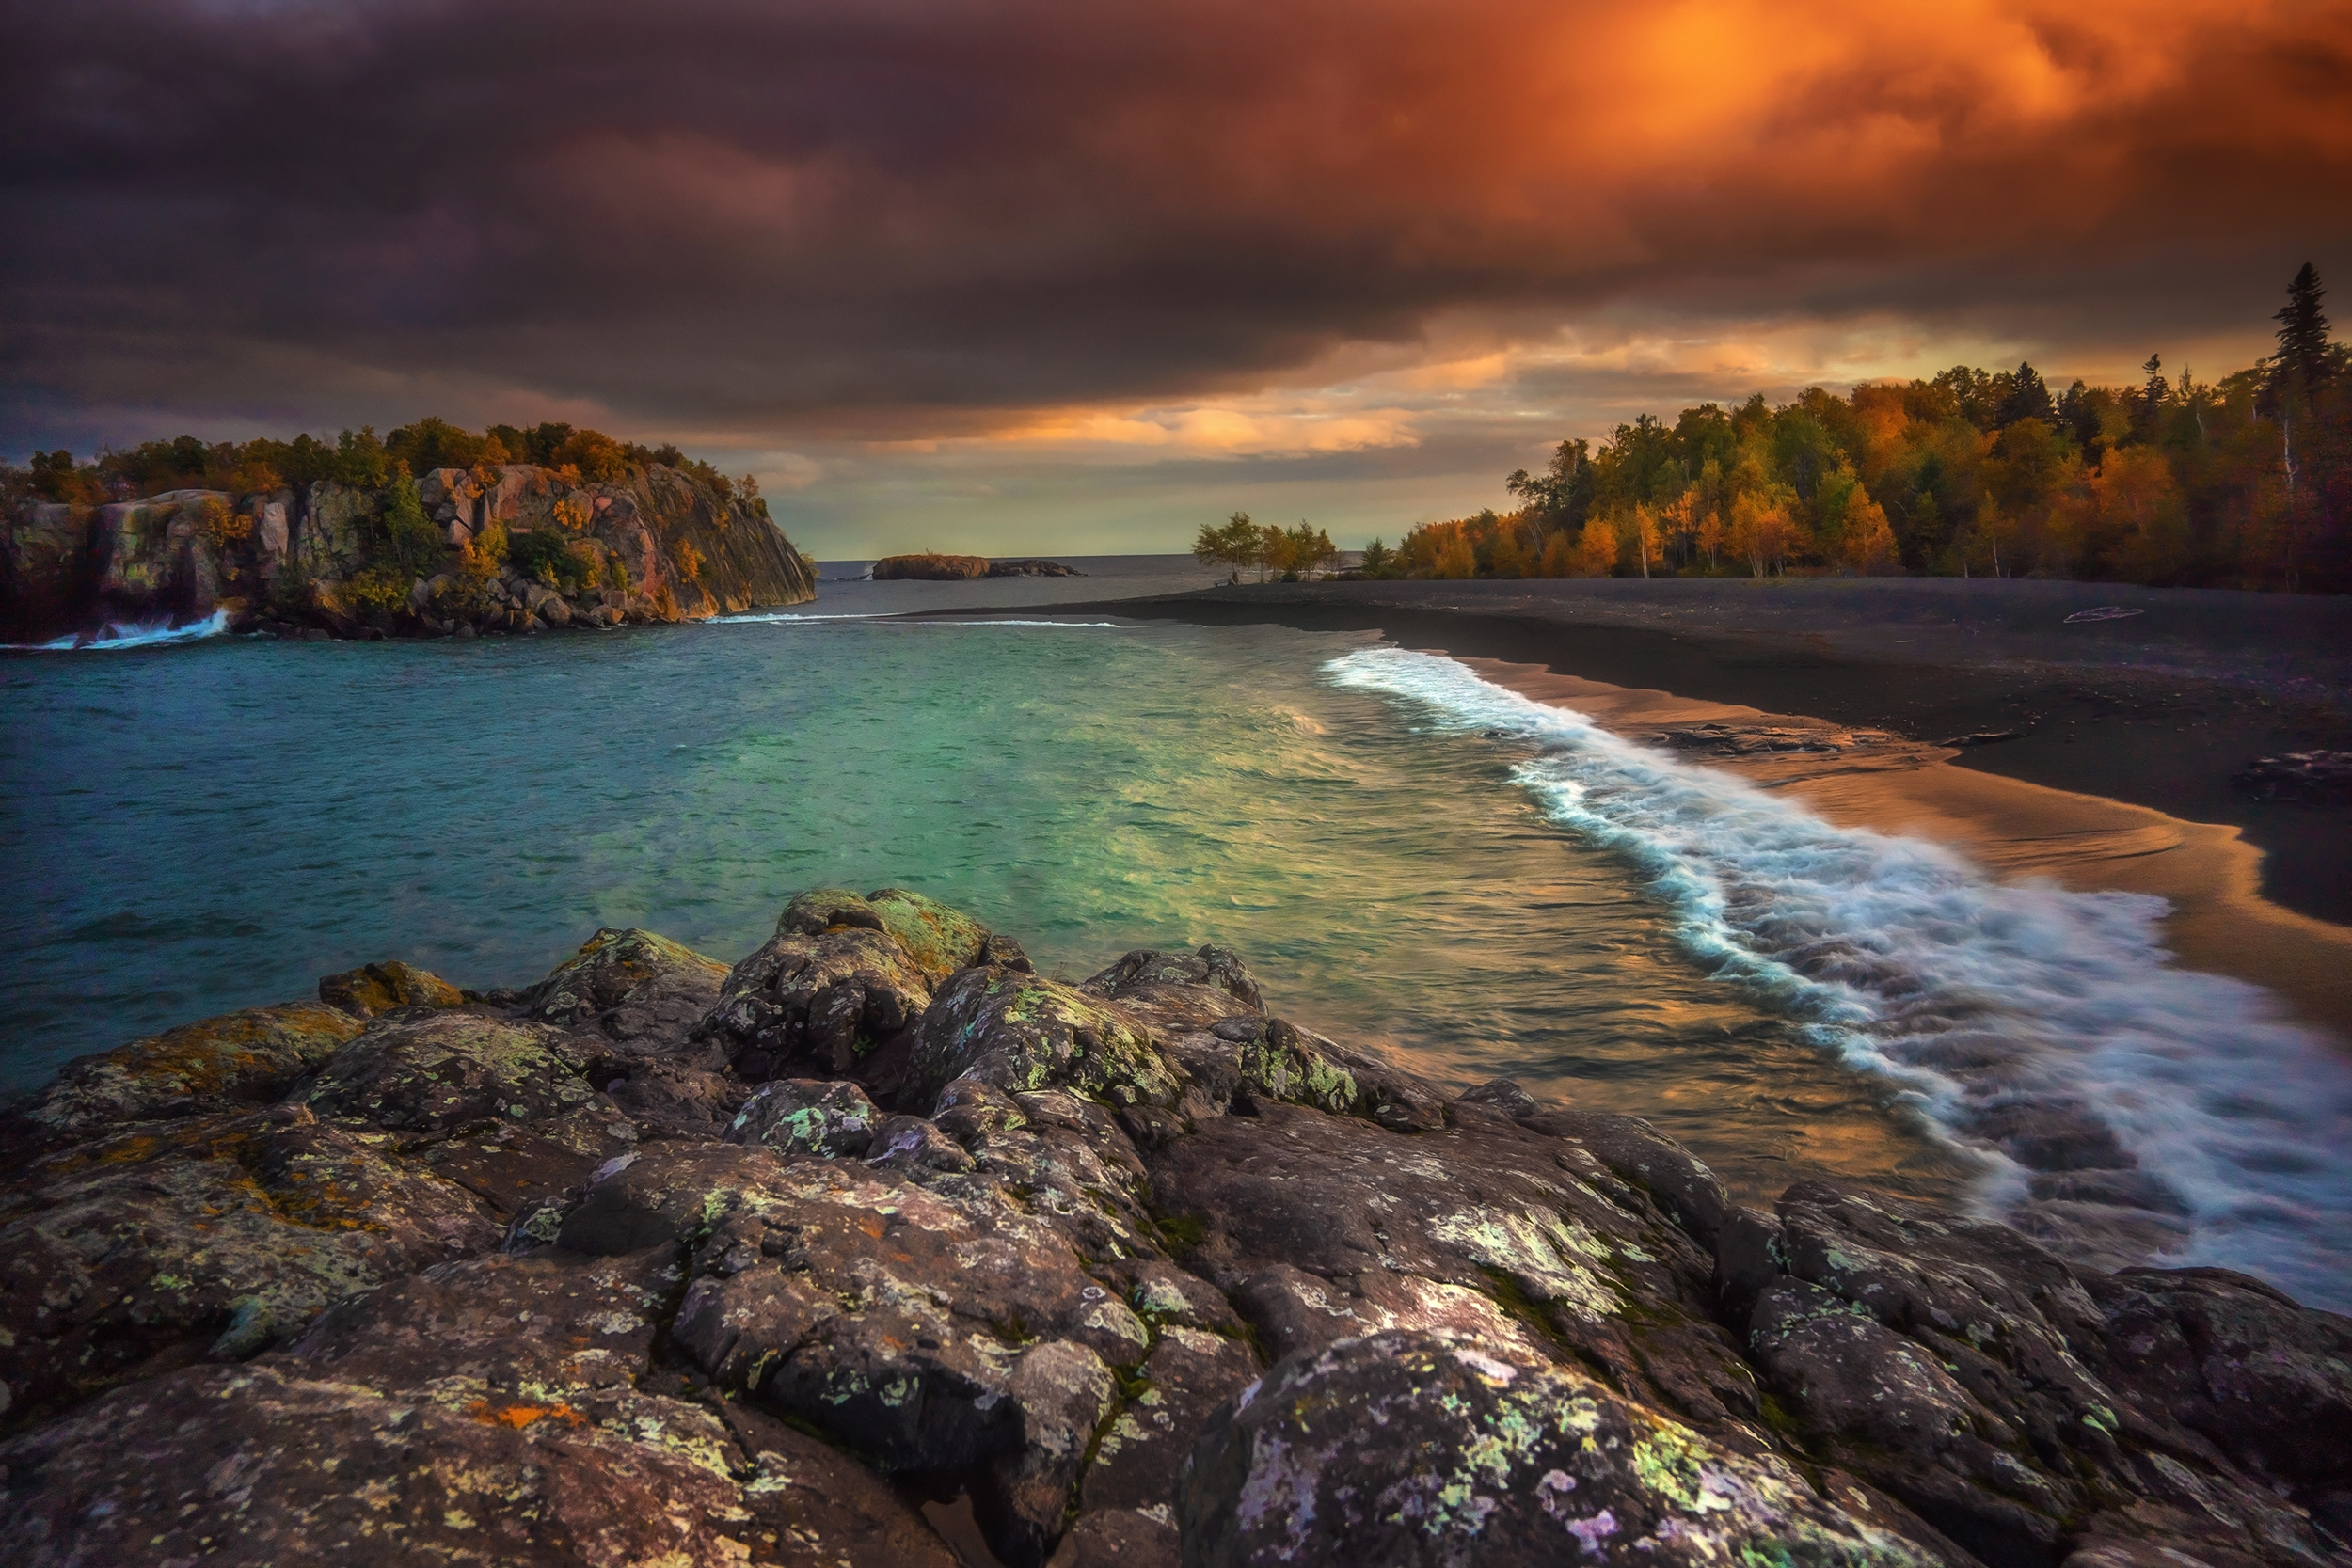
column 881, row 1248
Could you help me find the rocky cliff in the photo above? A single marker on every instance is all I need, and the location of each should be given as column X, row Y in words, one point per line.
column 879, row 1248
column 515, row 548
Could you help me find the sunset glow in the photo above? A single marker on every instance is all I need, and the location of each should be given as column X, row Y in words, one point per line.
column 910, row 264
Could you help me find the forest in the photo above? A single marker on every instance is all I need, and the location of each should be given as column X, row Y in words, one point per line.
column 2240, row 482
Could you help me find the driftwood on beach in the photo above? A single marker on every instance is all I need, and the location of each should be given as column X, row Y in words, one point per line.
column 877, row 1237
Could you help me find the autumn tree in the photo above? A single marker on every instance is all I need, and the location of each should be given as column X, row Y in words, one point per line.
column 1233, row 544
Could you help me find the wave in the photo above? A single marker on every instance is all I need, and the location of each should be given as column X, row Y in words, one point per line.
column 128, row 635
column 2124, row 1109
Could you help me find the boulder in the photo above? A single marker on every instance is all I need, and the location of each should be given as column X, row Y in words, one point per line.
column 830, row 1002
column 1179, row 993
column 1957, row 1366
column 807, row 1115
column 937, row 940
column 548, row 1283
column 643, row 991
column 1416, row 1447
column 245, row 1058
column 942, row 1330
column 1017, row 1032
column 1321, row 1227
column 504, row 1109
column 210, row 1235
column 379, row 988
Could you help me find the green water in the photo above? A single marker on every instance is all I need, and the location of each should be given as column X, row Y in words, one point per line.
column 194, row 829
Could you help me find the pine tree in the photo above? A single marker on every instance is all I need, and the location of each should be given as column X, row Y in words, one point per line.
column 2302, row 360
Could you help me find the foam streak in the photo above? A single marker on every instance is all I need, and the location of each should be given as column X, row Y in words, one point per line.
column 2126, row 1108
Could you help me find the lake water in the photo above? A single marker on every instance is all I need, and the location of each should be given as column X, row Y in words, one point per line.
column 1413, row 861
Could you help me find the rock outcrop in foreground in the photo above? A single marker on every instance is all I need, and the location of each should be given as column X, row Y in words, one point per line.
column 510, row 548
column 879, row 1247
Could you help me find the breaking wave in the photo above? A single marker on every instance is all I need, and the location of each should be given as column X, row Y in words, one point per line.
column 132, row 635
column 2125, row 1109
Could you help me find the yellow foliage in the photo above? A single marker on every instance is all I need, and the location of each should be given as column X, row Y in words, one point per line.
column 1512, row 557
column 1869, row 542
column 1762, row 530
column 1597, row 549
column 688, row 558
column 571, row 516
column 218, row 525
column 1558, row 559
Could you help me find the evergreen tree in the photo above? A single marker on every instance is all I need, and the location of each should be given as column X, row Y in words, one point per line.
column 2028, row 399
column 2302, row 363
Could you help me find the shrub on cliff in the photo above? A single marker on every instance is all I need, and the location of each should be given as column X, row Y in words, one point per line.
column 404, row 540
column 464, row 590
column 376, row 590
column 545, row 555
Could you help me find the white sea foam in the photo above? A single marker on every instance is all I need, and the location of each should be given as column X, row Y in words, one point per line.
column 2125, row 1108
column 132, row 635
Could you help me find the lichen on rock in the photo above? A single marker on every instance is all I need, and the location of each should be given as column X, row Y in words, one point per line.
column 1136, row 1271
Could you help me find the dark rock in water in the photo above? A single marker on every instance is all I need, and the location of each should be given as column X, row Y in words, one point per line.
column 2307, row 778
column 379, row 988
column 559, row 1284
column 930, row 567
column 1032, row 569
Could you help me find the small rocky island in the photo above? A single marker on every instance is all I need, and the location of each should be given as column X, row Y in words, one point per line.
column 490, row 549
column 932, row 567
column 880, row 1248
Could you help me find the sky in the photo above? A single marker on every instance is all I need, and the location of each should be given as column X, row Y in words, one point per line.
column 1052, row 277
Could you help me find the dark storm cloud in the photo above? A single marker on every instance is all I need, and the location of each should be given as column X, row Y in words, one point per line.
column 889, row 217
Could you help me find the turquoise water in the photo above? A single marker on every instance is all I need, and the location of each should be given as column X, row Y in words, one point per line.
column 1414, row 860
column 204, row 827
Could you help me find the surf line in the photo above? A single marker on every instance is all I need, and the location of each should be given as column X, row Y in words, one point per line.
column 2124, row 1108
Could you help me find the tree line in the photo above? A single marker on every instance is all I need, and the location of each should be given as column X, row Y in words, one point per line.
column 1239, row 544
column 358, row 459
column 2244, row 482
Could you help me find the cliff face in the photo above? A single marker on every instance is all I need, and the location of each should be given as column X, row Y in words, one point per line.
column 658, row 546
column 662, row 1260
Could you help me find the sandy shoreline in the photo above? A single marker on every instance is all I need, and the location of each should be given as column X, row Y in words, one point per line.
column 2208, row 873
column 2122, row 734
